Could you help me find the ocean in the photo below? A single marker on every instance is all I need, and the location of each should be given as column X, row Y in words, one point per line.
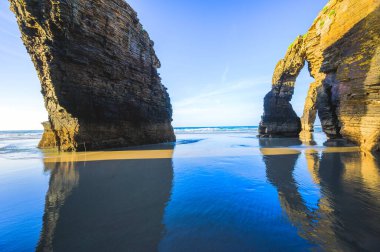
column 215, row 189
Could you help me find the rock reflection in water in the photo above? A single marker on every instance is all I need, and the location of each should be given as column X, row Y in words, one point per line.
column 109, row 205
column 346, row 217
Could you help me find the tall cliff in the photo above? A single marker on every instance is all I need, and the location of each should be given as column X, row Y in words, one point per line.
column 98, row 72
column 342, row 50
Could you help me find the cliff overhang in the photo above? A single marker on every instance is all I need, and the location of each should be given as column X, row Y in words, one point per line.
column 98, row 73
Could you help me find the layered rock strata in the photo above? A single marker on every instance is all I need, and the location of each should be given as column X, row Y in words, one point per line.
column 342, row 50
column 48, row 137
column 98, row 72
column 279, row 117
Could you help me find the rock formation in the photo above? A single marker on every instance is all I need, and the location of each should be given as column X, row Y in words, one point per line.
column 279, row 117
column 98, row 72
column 342, row 49
column 48, row 138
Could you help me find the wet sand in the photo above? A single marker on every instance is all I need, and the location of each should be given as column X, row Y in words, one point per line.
column 207, row 192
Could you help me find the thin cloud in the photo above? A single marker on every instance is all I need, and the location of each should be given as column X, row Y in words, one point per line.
column 5, row 13
column 5, row 50
column 225, row 74
column 12, row 34
column 235, row 103
column 232, row 87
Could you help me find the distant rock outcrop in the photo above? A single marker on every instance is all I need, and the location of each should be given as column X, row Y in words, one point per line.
column 342, row 49
column 97, row 68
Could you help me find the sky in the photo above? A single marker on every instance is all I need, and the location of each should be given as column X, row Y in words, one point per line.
column 217, row 59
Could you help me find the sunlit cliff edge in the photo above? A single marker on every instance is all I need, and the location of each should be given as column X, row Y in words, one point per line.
column 342, row 51
column 98, row 73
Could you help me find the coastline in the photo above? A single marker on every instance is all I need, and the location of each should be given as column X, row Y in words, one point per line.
column 231, row 186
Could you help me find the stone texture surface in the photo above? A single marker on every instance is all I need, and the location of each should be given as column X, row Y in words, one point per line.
column 48, row 140
column 342, row 50
column 279, row 117
column 98, row 72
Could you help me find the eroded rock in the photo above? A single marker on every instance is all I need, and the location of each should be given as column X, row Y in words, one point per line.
column 279, row 118
column 342, row 49
column 48, row 140
column 98, row 72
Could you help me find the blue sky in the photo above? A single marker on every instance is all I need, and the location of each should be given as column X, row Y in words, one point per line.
column 217, row 59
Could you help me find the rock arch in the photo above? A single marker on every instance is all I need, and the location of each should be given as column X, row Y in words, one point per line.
column 98, row 73
column 279, row 117
column 342, row 52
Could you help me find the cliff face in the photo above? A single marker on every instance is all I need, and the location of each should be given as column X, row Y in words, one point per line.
column 279, row 117
column 97, row 68
column 48, row 138
column 342, row 50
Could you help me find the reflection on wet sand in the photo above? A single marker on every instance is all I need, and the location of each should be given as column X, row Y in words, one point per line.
column 312, row 160
column 63, row 178
column 279, row 173
column 307, row 138
column 116, row 200
column 108, row 205
column 162, row 151
column 294, row 150
column 346, row 218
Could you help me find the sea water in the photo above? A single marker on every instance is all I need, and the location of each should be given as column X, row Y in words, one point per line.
column 215, row 189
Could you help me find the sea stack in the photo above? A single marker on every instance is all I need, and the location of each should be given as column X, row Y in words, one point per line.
column 98, row 72
column 342, row 51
